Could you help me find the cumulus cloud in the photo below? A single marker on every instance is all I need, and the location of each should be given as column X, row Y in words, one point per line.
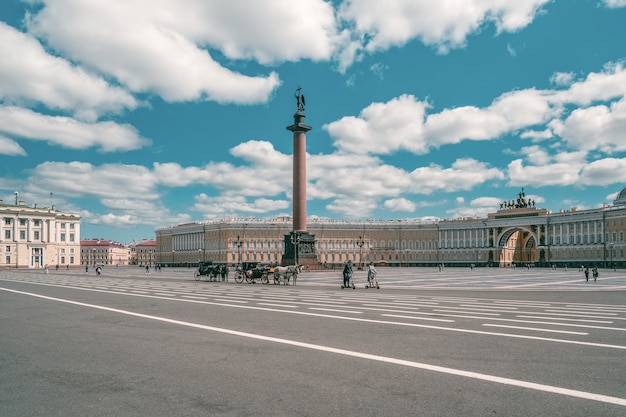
column 10, row 147
column 29, row 74
column 403, row 123
column 16, row 122
column 121, row 42
column 444, row 25
column 214, row 207
column 614, row 4
column 109, row 181
column 464, row 174
column 382, row 128
column 399, row 204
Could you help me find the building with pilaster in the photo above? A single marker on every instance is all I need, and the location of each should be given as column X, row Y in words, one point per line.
column 33, row 237
column 518, row 233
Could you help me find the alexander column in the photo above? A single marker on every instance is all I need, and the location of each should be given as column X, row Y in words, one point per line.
column 299, row 244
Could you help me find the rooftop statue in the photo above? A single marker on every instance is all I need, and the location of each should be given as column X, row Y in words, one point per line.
column 299, row 99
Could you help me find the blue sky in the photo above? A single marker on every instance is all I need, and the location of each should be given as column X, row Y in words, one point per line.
column 149, row 113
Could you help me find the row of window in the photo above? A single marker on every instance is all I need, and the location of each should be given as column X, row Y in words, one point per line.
column 37, row 235
column 36, row 222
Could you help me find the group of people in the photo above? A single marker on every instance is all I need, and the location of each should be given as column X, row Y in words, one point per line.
column 594, row 272
column 347, row 273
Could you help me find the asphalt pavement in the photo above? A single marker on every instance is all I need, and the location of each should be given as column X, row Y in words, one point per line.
column 457, row 342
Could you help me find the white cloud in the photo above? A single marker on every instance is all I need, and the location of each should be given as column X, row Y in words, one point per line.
column 399, row 204
column 10, row 147
column 382, row 128
column 28, row 74
column 562, row 78
column 464, row 174
column 21, row 123
column 444, row 25
column 149, row 49
column 220, row 206
column 402, row 123
column 556, row 173
column 614, row 4
column 604, row 172
column 598, row 127
column 109, row 181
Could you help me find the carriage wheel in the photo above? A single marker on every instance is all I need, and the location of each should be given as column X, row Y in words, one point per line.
column 196, row 276
column 265, row 279
column 238, row 277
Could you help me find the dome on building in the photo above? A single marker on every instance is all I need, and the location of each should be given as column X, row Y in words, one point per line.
column 621, row 198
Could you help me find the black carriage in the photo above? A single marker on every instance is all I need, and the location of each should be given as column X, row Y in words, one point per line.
column 211, row 271
column 250, row 272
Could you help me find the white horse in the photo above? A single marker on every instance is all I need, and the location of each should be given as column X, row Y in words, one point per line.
column 287, row 272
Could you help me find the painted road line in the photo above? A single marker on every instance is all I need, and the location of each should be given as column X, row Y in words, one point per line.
column 356, row 319
column 536, row 329
column 566, row 319
column 277, row 305
column 335, row 310
column 367, row 356
column 417, row 318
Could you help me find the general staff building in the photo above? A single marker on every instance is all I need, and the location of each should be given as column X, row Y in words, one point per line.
column 516, row 234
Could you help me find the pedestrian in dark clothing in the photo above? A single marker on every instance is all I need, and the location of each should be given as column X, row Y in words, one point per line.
column 347, row 273
column 587, row 274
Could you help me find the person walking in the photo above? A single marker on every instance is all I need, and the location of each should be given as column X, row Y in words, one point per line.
column 371, row 274
column 347, row 273
column 595, row 273
column 587, row 274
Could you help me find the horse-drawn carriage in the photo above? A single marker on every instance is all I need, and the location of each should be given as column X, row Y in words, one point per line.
column 250, row 272
column 211, row 271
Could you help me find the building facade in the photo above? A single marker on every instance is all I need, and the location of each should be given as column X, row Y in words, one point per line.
column 144, row 253
column 33, row 237
column 103, row 252
column 518, row 233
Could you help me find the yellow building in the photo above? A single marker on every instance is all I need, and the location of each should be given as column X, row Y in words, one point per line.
column 518, row 233
column 33, row 237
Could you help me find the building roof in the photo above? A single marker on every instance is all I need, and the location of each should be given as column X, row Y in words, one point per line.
column 621, row 198
column 147, row 243
column 100, row 243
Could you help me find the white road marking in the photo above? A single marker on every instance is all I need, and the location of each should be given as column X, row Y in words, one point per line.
column 416, row 318
column 336, row 310
column 393, row 323
column 277, row 305
column 536, row 329
column 411, row 364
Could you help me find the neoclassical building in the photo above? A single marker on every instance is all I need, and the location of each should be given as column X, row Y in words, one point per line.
column 518, row 233
column 33, row 237
column 103, row 252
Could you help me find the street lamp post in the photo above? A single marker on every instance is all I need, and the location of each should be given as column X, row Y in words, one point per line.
column 94, row 256
column 611, row 250
column 295, row 241
column 237, row 243
column 360, row 243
